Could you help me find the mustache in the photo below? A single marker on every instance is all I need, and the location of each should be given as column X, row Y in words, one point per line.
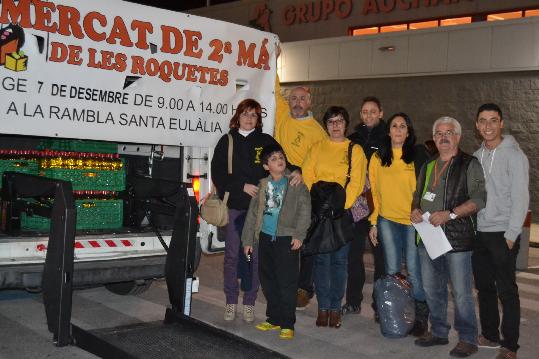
column 443, row 140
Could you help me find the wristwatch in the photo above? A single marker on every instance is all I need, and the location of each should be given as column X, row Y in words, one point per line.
column 452, row 215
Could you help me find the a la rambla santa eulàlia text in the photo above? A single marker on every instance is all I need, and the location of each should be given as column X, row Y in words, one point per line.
column 95, row 116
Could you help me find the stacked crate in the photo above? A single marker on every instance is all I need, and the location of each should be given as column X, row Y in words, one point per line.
column 23, row 161
column 97, row 175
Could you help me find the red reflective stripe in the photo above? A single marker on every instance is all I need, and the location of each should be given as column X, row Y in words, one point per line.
column 110, row 243
column 94, row 244
column 78, row 245
column 41, row 247
column 126, row 243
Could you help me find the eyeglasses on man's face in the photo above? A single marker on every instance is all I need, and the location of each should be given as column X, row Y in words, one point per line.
column 440, row 134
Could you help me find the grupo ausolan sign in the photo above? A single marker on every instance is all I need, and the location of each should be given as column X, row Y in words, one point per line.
column 111, row 70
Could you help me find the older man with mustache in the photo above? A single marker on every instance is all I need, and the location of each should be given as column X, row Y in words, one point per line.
column 452, row 188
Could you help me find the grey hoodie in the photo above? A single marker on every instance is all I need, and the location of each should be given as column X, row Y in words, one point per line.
column 506, row 171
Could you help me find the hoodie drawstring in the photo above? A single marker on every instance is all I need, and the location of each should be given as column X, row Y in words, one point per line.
column 491, row 159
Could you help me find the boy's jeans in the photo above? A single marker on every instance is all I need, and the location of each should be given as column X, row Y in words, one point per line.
column 279, row 271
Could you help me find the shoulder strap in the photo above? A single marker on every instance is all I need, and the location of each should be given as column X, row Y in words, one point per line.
column 430, row 167
column 230, row 150
column 350, row 145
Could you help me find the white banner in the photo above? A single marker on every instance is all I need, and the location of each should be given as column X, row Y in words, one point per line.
column 116, row 71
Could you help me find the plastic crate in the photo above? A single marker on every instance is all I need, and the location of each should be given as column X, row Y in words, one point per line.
column 83, row 180
column 91, row 214
column 79, row 146
column 18, row 165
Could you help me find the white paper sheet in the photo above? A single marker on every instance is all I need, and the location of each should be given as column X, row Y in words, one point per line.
column 433, row 238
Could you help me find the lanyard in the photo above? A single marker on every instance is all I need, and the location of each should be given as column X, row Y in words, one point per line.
column 436, row 175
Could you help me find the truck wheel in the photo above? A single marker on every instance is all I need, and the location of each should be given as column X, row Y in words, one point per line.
column 134, row 287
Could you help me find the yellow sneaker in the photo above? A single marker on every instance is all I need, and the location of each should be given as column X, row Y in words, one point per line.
column 286, row 334
column 265, row 326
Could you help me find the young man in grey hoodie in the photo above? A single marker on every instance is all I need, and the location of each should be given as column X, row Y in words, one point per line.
column 499, row 226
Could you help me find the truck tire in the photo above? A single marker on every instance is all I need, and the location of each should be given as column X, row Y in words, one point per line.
column 134, row 287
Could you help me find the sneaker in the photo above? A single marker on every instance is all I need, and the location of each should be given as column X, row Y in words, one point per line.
column 505, row 353
column 463, row 350
column 350, row 309
column 483, row 342
column 303, row 299
column 286, row 334
column 230, row 312
column 265, row 326
column 249, row 313
column 430, row 340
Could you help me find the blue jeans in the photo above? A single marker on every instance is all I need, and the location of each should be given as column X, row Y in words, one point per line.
column 456, row 268
column 396, row 238
column 330, row 270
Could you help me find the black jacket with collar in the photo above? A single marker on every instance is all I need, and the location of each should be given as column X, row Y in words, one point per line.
column 246, row 165
column 369, row 140
column 460, row 232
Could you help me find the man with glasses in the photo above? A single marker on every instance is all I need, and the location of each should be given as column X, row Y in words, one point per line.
column 499, row 226
column 452, row 189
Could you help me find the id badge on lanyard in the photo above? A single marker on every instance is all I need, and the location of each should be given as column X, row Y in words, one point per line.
column 429, row 196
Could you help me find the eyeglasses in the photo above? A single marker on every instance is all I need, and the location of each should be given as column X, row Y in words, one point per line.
column 252, row 115
column 439, row 134
column 336, row 122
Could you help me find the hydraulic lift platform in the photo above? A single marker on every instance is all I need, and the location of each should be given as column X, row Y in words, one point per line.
column 178, row 335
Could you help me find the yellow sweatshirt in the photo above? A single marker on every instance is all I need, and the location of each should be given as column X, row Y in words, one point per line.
column 295, row 136
column 328, row 161
column 392, row 188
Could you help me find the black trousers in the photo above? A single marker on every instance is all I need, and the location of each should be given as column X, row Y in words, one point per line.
column 379, row 263
column 494, row 271
column 306, row 279
column 356, row 266
column 278, row 270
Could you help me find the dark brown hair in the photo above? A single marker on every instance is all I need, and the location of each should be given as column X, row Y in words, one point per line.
column 374, row 99
column 247, row 104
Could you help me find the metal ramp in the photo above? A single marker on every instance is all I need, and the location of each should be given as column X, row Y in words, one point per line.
column 178, row 335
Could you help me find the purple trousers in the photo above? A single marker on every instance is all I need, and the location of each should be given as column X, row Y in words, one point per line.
column 232, row 248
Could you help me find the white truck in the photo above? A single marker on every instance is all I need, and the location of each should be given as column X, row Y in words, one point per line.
column 160, row 84
column 126, row 260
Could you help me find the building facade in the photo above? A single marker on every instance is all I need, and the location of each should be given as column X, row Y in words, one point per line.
column 427, row 58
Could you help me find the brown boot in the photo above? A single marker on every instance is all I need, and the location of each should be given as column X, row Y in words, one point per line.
column 322, row 319
column 335, row 319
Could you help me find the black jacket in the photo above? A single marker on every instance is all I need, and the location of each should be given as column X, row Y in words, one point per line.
column 461, row 231
column 331, row 225
column 246, row 165
column 371, row 140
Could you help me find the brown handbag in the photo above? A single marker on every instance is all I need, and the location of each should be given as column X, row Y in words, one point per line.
column 214, row 210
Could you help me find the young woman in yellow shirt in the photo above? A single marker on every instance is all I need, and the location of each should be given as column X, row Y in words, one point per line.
column 393, row 181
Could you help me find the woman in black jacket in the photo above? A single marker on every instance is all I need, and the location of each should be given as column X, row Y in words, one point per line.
column 248, row 142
